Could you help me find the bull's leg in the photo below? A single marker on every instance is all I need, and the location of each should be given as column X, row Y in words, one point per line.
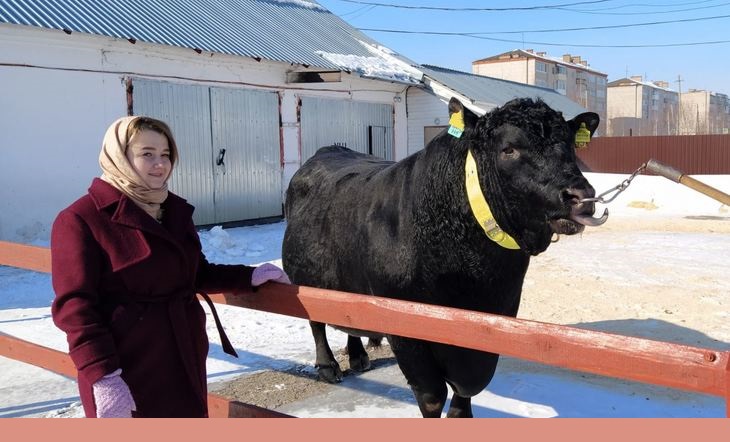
column 374, row 342
column 421, row 370
column 460, row 407
column 359, row 359
column 326, row 364
column 431, row 401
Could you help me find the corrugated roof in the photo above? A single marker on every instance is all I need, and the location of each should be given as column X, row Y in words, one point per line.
column 293, row 31
column 496, row 92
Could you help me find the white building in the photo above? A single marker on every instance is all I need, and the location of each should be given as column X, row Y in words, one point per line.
column 268, row 92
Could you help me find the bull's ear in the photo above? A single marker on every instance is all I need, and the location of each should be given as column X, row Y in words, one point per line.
column 583, row 127
column 460, row 117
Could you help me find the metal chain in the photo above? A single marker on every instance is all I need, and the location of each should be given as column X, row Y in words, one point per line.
column 618, row 189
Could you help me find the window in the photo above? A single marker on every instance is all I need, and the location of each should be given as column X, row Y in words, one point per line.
column 560, row 86
column 540, row 66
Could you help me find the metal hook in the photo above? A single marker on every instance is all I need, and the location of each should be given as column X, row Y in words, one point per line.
column 591, row 221
column 603, row 218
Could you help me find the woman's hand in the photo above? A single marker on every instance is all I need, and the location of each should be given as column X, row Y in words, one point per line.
column 268, row 272
column 112, row 396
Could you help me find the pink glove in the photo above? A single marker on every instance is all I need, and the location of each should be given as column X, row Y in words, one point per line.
column 268, row 272
column 112, row 396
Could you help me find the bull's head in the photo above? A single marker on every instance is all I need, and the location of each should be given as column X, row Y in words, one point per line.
column 526, row 164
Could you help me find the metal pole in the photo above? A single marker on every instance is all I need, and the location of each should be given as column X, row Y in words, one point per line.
column 679, row 177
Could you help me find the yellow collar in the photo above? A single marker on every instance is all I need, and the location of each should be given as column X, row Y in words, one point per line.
column 480, row 208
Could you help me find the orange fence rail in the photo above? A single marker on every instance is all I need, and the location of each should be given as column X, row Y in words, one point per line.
column 654, row 362
column 60, row 362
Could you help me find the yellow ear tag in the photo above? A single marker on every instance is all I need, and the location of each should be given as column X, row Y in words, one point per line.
column 456, row 124
column 582, row 137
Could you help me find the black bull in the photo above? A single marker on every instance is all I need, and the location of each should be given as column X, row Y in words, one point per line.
column 407, row 230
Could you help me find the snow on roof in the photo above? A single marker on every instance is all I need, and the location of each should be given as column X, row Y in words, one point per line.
column 302, row 3
column 384, row 64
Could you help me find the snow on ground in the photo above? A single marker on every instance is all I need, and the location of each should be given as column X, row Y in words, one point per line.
column 657, row 269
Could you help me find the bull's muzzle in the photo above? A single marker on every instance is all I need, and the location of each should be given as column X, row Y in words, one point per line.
column 582, row 207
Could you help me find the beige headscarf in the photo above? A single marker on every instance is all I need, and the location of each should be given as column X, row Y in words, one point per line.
column 120, row 174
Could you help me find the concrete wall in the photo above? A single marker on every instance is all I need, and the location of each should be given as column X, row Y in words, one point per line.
column 60, row 92
column 624, row 110
column 520, row 70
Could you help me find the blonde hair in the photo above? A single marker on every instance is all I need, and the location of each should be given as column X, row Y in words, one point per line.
column 148, row 123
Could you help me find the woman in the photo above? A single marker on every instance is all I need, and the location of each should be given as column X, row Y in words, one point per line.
column 126, row 267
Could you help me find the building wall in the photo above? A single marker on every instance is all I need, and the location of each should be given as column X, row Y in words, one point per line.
column 623, row 110
column 425, row 110
column 639, row 109
column 60, row 92
column 517, row 69
column 705, row 112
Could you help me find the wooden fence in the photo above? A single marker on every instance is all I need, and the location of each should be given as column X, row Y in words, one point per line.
column 692, row 154
column 654, row 362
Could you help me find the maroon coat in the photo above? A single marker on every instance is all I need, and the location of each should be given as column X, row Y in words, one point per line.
column 125, row 297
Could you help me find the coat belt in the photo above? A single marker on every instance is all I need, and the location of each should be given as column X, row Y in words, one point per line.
column 225, row 342
column 177, row 297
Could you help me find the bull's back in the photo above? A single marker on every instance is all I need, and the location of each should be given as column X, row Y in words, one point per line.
column 331, row 171
column 326, row 206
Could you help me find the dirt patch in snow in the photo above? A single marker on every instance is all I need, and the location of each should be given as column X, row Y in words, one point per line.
column 273, row 389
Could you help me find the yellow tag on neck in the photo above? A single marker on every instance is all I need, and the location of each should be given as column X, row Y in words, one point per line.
column 480, row 208
column 582, row 136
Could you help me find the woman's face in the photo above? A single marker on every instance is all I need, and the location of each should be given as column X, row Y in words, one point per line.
column 149, row 154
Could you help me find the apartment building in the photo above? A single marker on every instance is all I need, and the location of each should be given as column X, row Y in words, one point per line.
column 637, row 107
column 704, row 113
column 569, row 75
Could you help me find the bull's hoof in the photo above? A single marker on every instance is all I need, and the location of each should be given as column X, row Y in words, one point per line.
column 330, row 373
column 360, row 363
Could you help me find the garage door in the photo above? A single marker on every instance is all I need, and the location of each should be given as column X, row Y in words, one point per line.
column 230, row 167
column 363, row 127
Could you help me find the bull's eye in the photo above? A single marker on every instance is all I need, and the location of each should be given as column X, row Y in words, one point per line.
column 510, row 153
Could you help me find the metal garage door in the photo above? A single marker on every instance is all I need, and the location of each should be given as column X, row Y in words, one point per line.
column 229, row 147
column 363, row 127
